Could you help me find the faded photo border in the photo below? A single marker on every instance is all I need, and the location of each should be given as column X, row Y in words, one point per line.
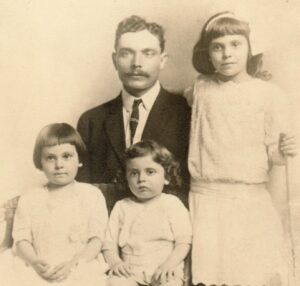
column 55, row 61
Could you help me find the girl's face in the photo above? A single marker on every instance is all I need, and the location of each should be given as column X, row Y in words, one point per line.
column 60, row 163
column 229, row 55
column 146, row 178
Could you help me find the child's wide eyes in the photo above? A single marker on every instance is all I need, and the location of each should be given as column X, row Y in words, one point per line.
column 148, row 172
column 67, row 156
column 133, row 173
column 151, row 171
column 236, row 43
column 50, row 158
column 216, row 47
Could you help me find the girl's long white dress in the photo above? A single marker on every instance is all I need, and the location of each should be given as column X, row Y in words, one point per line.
column 237, row 234
column 58, row 231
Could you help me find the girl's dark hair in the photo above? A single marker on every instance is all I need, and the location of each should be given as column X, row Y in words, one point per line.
column 217, row 27
column 56, row 134
column 160, row 155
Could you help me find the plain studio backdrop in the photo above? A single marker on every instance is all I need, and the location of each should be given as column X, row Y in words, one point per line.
column 55, row 62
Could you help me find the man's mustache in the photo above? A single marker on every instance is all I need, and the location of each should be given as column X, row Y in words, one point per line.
column 138, row 73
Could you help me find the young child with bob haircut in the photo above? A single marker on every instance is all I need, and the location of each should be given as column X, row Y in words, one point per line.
column 59, row 228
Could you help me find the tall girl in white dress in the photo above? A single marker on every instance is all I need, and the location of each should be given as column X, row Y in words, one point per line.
column 59, row 228
column 237, row 119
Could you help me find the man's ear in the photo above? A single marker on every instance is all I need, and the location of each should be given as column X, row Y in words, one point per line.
column 163, row 59
column 113, row 57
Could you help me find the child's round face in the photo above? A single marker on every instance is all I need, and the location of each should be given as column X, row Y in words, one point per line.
column 60, row 163
column 146, row 178
column 229, row 55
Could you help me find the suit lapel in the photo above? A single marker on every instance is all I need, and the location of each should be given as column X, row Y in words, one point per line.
column 157, row 117
column 114, row 127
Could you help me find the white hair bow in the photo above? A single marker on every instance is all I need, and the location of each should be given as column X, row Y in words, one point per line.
column 257, row 39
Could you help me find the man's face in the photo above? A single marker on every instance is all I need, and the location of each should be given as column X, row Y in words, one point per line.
column 138, row 60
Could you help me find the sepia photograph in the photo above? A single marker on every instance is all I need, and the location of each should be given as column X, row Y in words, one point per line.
column 150, row 143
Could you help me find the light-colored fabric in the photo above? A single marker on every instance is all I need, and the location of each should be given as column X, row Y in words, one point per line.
column 60, row 230
column 233, row 126
column 15, row 272
column 237, row 236
column 147, row 232
column 144, row 109
column 123, row 281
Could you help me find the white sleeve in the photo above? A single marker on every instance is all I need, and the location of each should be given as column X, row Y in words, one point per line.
column 277, row 115
column 179, row 218
column 98, row 215
column 22, row 221
column 113, row 229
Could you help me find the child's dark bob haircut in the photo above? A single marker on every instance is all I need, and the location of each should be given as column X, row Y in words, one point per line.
column 56, row 134
column 218, row 26
column 160, row 155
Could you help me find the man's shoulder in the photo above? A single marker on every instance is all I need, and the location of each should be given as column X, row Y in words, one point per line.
column 174, row 98
column 102, row 109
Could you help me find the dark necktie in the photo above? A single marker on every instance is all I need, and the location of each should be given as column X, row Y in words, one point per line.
column 134, row 118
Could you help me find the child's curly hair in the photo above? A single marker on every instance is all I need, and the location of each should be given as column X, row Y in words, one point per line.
column 160, row 155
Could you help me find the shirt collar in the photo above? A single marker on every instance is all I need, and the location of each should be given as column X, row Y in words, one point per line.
column 148, row 98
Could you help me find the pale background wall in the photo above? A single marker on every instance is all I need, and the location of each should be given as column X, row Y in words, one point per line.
column 55, row 62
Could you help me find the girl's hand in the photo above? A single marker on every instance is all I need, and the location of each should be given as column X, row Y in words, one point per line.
column 163, row 274
column 120, row 269
column 42, row 268
column 287, row 145
column 62, row 271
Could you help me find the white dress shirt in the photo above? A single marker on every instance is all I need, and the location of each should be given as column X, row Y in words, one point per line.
column 144, row 109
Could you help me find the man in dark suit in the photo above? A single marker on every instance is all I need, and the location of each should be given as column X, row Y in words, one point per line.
column 161, row 116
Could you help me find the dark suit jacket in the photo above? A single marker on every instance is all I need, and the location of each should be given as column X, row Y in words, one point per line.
column 102, row 130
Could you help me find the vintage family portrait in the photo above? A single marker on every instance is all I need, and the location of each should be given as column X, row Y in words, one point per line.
column 150, row 143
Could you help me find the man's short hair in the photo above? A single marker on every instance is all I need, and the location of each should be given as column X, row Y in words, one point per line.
column 135, row 24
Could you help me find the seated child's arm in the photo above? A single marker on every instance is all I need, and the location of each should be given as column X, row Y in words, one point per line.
column 116, row 265
column 182, row 229
column 92, row 249
column 90, row 252
column 97, row 222
column 111, row 245
column 166, row 271
column 112, row 256
column 25, row 250
column 23, row 238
